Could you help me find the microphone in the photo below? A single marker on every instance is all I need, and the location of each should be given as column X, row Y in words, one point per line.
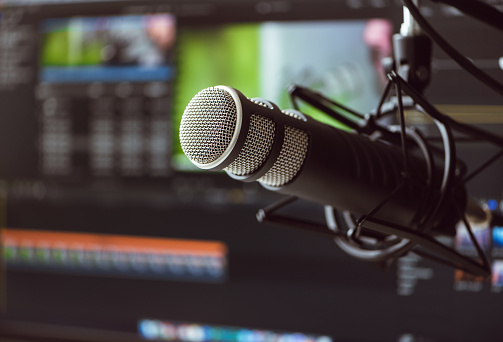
column 291, row 153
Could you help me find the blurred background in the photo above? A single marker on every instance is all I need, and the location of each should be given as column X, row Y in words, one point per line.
column 110, row 234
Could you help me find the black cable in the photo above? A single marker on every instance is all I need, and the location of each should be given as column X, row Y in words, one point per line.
column 478, row 10
column 464, row 62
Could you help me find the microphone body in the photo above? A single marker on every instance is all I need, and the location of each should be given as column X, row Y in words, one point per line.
column 291, row 153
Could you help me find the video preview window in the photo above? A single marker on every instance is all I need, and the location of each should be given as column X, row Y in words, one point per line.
column 341, row 59
column 108, row 49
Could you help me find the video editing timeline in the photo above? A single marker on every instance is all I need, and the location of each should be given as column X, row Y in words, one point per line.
column 104, row 95
column 194, row 332
column 112, row 255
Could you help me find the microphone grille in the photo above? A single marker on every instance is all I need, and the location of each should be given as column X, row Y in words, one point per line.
column 208, row 125
column 256, row 147
column 290, row 159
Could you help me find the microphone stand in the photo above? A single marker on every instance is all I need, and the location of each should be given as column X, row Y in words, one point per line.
column 409, row 73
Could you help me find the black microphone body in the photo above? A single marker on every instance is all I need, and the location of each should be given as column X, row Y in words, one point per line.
column 317, row 162
column 352, row 173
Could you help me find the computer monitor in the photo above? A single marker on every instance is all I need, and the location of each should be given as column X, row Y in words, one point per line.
column 109, row 233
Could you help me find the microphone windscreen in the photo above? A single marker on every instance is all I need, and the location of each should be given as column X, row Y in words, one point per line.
column 209, row 127
column 213, row 122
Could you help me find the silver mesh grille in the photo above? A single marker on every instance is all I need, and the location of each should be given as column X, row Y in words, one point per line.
column 208, row 125
column 290, row 160
column 256, row 148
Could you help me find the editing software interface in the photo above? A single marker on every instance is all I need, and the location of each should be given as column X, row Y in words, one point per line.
column 109, row 231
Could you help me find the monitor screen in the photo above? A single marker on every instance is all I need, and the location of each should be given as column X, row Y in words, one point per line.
column 110, row 233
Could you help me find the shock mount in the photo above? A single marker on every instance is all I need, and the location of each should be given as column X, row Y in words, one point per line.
column 371, row 239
